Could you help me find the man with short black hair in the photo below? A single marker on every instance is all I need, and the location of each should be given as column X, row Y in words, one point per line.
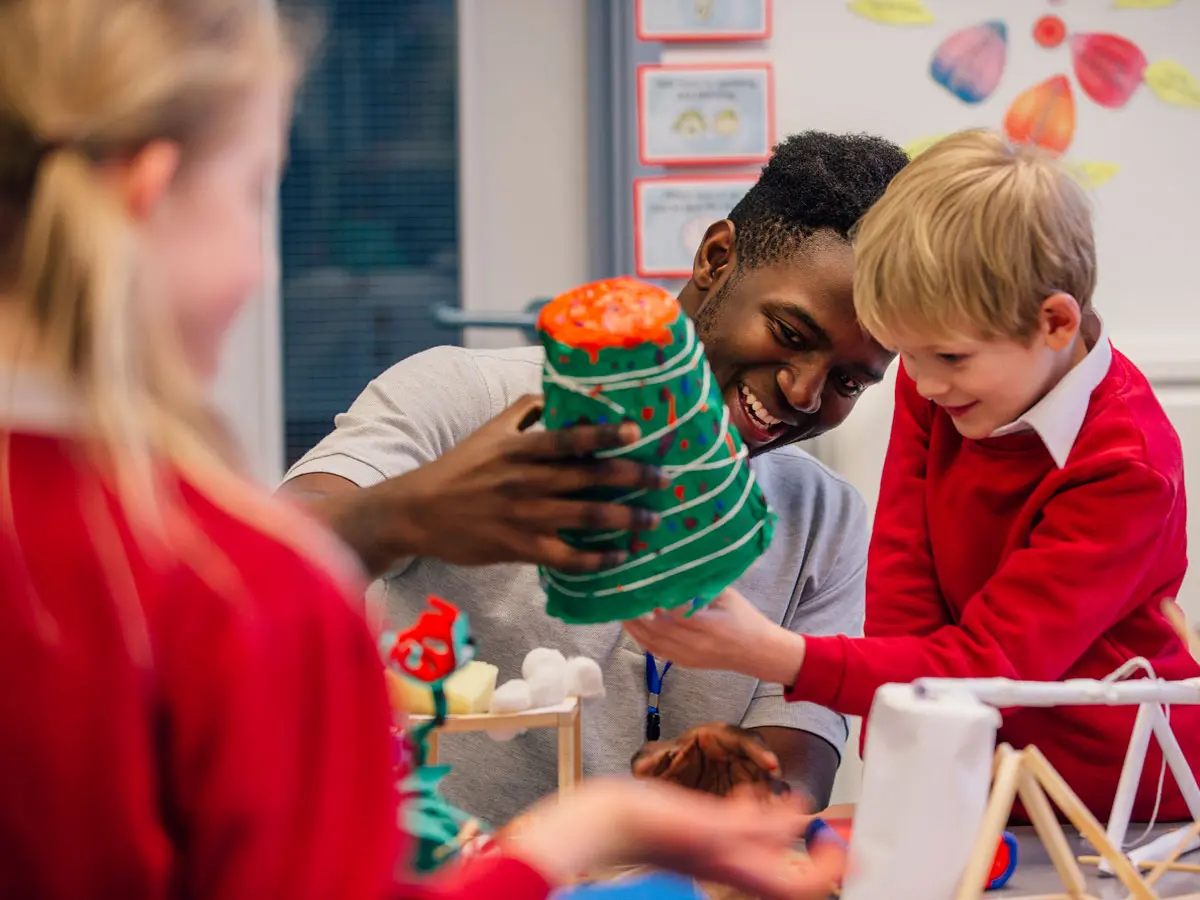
column 771, row 296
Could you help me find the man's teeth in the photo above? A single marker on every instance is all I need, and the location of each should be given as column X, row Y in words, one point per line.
column 759, row 411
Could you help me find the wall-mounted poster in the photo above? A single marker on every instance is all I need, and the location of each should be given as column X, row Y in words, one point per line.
column 670, row 216
column 703, row 20
column 705, row 114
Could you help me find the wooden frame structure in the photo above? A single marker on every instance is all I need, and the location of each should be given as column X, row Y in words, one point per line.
column 1027, row 774
column 566, row 718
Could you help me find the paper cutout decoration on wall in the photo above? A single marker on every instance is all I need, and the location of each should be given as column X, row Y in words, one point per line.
column 893, row 12
column 1049, row 31
column 1043, row 115
column 970, row 61
column 1144, row 4
column 1092, row 175
column 1109, row 68
column 1172, row 83
column 920, row 145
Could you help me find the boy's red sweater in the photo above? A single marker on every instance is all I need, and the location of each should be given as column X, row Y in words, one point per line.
column 212, row 726
column 989, row 560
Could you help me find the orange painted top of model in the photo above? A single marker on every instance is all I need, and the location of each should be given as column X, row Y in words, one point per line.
column 617, row 312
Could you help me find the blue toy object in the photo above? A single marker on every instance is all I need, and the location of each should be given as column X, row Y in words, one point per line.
column 1005, row 863
column 819, row 830
column 654, row 886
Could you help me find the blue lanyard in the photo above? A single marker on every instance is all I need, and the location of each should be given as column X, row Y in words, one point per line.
column 654, row 683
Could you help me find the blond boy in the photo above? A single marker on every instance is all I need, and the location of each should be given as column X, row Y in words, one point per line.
column 1031, row 518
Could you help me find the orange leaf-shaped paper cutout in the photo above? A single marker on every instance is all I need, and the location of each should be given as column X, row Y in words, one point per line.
column 1043, row 115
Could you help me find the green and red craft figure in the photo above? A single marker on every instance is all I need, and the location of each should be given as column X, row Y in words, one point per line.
column 429, row 652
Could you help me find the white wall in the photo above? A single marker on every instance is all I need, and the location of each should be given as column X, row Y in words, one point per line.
column 248, row 388
column 523, row 154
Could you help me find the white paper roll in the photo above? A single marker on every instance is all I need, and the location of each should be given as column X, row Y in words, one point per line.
column 927, row 771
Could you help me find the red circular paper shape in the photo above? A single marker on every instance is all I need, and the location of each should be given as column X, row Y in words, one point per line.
column 1049, row 31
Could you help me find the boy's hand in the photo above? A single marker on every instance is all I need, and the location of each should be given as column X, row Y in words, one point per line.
column 503, row 494
column 729, row 634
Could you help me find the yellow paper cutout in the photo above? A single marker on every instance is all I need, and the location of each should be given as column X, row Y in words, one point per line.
column 919, row 146
column 1173, row 84
column 1093, row 174
column 1144, row 4
column 893, row 12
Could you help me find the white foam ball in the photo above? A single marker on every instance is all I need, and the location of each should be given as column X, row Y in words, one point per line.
column 548, row 686
column 504, row 735
column 584, row 678
column 511, row 697
column 543, row 658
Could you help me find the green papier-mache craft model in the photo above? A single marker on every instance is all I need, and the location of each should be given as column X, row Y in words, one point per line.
column 624, row 350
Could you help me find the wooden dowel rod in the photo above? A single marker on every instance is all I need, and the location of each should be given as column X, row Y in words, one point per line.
column 1146, row 864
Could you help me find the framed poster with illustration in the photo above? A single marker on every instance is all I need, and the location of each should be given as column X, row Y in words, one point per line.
column 703, row 20
column 671, row 214
column 705, row 114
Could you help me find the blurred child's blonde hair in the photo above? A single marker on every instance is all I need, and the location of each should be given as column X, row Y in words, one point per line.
column 969, row 240
column 84, row 83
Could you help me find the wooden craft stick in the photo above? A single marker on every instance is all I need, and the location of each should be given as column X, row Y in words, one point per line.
column 1176, row 851
column 569, row 753
column 1007, row 766
column 1179, row 622
column 1146, row 864
column 466, row 834
column 1050, row 832
column 1081, row 817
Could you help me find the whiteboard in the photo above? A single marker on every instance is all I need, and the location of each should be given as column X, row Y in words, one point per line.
column 836, row 71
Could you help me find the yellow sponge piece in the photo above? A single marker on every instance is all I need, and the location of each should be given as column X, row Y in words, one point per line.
column 468, row 691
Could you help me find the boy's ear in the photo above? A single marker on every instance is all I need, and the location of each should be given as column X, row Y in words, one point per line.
column 1060, row 318
column 716, row 254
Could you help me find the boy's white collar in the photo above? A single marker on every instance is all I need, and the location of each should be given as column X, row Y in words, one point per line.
column 1058, row 416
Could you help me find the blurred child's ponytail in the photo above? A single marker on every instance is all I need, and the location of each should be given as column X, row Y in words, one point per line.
column 84, row 83
column 76, row 273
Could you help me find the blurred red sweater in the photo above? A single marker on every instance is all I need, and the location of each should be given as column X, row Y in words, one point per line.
column 211, row 724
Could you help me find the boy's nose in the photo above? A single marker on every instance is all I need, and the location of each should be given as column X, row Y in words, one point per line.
column 927, row 386
column 931, row 388
column 802, row 390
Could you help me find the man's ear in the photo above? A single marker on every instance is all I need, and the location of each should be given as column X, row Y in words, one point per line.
column 716, row 254
column 1059, row 320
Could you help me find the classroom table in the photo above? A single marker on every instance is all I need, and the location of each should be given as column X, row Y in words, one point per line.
column 1035, row 875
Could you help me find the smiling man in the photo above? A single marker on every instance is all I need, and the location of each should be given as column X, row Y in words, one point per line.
column 771, row 296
